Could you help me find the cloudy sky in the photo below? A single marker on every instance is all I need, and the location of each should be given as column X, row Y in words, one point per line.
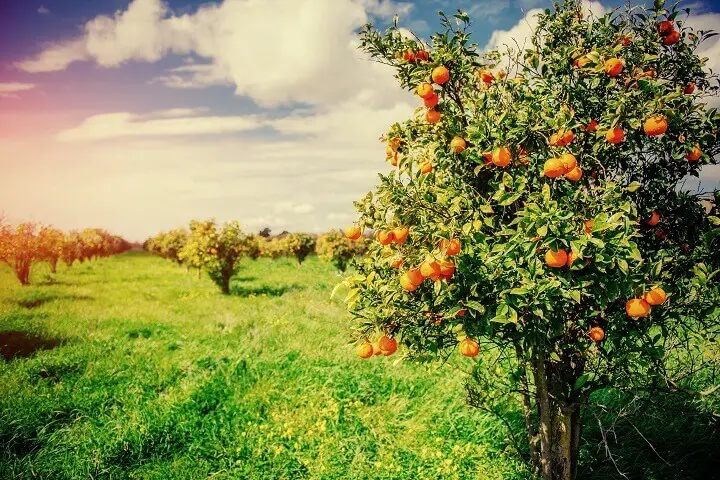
column 141, row 115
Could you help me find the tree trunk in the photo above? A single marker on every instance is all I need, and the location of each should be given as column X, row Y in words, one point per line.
column 559, row 423
column 53, row 266
column 527, row 412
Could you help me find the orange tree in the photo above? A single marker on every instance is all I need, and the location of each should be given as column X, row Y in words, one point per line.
column 217, row 250
column 300, row 245
column 338, row 249
column 535, row 213
column 19, row 249
column 70, row 250
column 50, row 243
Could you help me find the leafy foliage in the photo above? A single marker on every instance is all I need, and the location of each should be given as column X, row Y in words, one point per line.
column 336, row 248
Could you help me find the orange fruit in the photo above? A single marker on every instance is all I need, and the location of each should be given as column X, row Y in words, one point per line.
column 615, row 136
column 571, row 257
column 581, row 62
column 469, row 347
column 426, row 167
column 430, row 269
column 376, row 349
column 394, row 160
column 553, row 168
column 425, row 90
column 415, row 276
column 637, row 308
column 625, row 41
column 665, row 27
column 451, row 247
column 569, row 161
column 589, row 224
column 654, row 219
column 574, row 175
column 400, row 234
column 689, row 88
column 486, row 76
column 407, row 284
column 655, row 125
column 431, row 101
column 422, row 55
column 613, row 67
column 385, row 238
column 656, row 296
column 409, row 56
column 671, row 38
column 353, row 233
column 461, row 313
column 440, row 75
column 387, row 345
column 364, row 350
column 433, row 116
column 447, row 268
column 694, row 156
column 397, row 262
column 556, row 259
column 568, row 137
column 458, row 144
column 591, row 127
column 597, row 334
column 501, row 156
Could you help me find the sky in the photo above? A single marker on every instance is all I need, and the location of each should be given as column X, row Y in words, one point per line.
column 138, row 116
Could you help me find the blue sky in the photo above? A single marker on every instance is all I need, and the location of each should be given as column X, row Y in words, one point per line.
column 141, row 115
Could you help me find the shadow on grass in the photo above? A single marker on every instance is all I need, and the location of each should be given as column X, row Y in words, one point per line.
column 14, row 343
column 245, row 279
column 265, row 291
column 36, row 300
column 663, row 437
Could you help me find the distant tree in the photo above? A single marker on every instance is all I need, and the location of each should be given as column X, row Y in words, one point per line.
column 336, row 248
column 19, row 249
column 300, row 245
column 70, row 250
column 265, row 232
column 50, row 246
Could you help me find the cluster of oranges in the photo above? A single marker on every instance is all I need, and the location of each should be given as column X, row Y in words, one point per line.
column 411, row 56
column 440, row 76
column 435, row 270
column 396, row 235
column 384, row 346
column 667, row 31
column 566, row 165
column 640, row 307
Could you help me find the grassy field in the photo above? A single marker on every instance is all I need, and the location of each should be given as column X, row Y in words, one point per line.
column 151, row 373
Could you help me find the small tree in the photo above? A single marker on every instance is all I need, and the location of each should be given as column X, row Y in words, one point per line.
column 540, row 188
column 20, row 249
column 71, row 246
column 336, row 248
column 50, row 241
column 300, row 245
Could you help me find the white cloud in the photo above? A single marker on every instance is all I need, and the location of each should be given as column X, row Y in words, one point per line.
column 43, row 11
column 291, row 207
column 10, row 90
column 309, row 55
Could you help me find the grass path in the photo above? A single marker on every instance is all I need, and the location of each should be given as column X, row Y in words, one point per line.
column 158, row 376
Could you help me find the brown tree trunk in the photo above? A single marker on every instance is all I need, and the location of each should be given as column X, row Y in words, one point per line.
column 559, row 423
column 527, row 412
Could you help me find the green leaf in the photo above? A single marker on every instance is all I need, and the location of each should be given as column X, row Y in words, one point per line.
column 580, row 381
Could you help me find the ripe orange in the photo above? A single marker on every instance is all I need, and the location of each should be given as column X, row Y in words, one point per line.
column 447, row 268
column 433, row 116
column 426, row 167
column 431, row 101
column 556, row 259
column 694, row 156
column 461, row 313
column 469, row 347
column 440, row 75
column 581, row 62
column 615, row 136
column 400, row 234
column 592, row 126
column 486, row 76
column 562, row 138
column 353, row 233
column 654, row 219
column 665, row 27
column 569, row 161
column 553, row 168
column 409, row 56
column 655, row 125
column 597, row 334
column 626, row 41
column 501, row 156
column 589, row 224
column 415, row 276
column 574, row 175
column 488, row 157
column 567, row 137
column 395, row 159
column 656, row 296
column 571, row 257
column 451, row 247
column 637, row 308
column 376, row 349
column 458, row 144
column 397, row 262
column 407, row 284
column 385, row 238
column 613, row 67
column 387, row 345
column 671, row 38
column 690, row 88
column 364, row 350
column 422, row 55
column 425, row 90
column 430, row 269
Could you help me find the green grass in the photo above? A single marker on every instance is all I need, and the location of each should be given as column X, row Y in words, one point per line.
column 157, row 376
